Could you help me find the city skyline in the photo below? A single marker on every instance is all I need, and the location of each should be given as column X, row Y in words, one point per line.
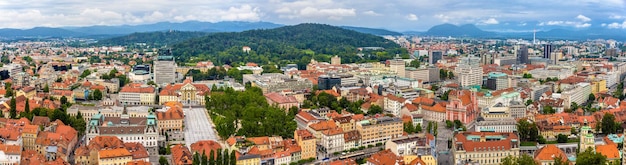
column 398, row 15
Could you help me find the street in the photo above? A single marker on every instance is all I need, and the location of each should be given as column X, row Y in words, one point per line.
column 197, row 126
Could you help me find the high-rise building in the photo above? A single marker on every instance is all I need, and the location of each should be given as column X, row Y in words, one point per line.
column 336, row 60
column 522, row 55
column 325, row 82
column 435, row 56
column 398, row 66
column 165, row 68
column 547, row 49
column 469, row 72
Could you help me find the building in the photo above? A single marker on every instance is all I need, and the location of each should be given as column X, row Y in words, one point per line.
column 522, row 55
column 283, row 101
column 181, row 155
column 137, row 94
column 435, row 56
column 429, row 74
column 379, row 130
column 165, row 68
column 497, row 81
column 332, row 141
column 307, row 143
column 468, row 72
column 205, row 146
column 276, row 82
column 385, row 157
column 393, row 104
column 463, row 107
column 248, row 159
column 578, row 94
column 114, row 156
column 547, row 154
column 107, row 111
column 484, row 147
column 547, row 50
column 326, row 82
column 188, row 93
column 335, row 60
column 420, row 144
column 129, row 129
column 495, row 124
column 397, row 66
column 171, row 121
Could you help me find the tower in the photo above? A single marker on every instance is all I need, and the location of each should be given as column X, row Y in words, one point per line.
column 397, row 65
column 534, row 34
column 586, row 138
column 164, row 68
column 547, row 49
column 522, row 55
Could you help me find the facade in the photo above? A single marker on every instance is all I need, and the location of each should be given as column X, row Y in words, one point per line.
column 164, row 69
column 129, row 129
column 578, row 94
column 107, row 111
column 335, row 60
column 114, row 156
column 547, row 154
column 137, row 94
column 497, row 81
column 187, row 93
column 307, row 143
column 393, row 104
column 282, row 101
column 468, row 72
column 332, row 141
column 463, row 108
column 326, row 82
column 397, row 66
column 547, row 50
column 171, row 122
column 276, row 82
column 420, row 144
column 496, row 125
column 434, row 57
column 430, row 74
column 483, row 147
column 385, row 157
column 379, row 130
column 522, row 55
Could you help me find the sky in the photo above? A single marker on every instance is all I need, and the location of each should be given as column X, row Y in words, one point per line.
column 398, row 15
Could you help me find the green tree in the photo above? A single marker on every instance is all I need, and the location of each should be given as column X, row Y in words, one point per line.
column 204, row 159
column 528, row 102
column 548, row 110
column 196, row 159
column 561, row 138
column 226, row 158
column 523, row 159
column 408, row 128
column 163, row 161
column 212, row 157
column 527, row 75
column 591, row 98
column 27, row 106
column 9, row 90
column 590, row 157
column 85, row 73
column 375, row 109
column 608, row 124
column 154, row 84
column 63, row 100
column 233, row 158
column 13, row 110
column 558, row 160
column 445, row 95
column 46, row 89
column 418, row 128
column 450, row 75
column 415, row 63
column 574, row 106
column 443, row 74
column 218, row 158
column 429, row 127
column 97, row 94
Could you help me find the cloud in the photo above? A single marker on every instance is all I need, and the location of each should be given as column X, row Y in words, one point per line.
column 583, row 18
column 616, row 25
column 334, row 14
column 371, row 13
column 490, row 21
column 617, row 17
column 412, row 17
column 443, row 18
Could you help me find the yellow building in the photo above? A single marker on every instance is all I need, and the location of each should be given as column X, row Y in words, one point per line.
column 28, row 92
column 248, row 159
column 598, row 86
column 114, row 156
column 427, row 159
column 307, row 143
column 379, row 130
column 346, row 123
column 186, row 93
column 29, row 135
column 171, row 121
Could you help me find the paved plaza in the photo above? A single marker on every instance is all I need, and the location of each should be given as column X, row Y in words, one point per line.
column 198, row 126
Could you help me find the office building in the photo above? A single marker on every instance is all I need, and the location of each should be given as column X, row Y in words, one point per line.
column 522, row 55
column 326, row 82
column 547, row 49
column 497, row 81
column 468, row 72
column 430, row 74
column 578, row 94
column 165, row 69
column 484, row 147
column 397, row 66
column 435, row 56
column 379, row 130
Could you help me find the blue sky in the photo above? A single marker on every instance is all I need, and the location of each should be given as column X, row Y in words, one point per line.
column 399, row 15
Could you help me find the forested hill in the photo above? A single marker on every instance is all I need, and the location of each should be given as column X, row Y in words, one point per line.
column 288, row 44
column 154, row 39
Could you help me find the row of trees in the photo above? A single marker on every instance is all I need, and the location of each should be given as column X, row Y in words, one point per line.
column 218, row 74
column 443, row 74
column 215, row 158
column 410, row 129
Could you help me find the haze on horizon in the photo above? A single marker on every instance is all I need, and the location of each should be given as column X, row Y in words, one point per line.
column 399, row 15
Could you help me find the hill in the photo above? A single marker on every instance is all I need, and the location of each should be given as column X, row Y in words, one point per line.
column 226, row 26
column 153, row 39
column 467, row 30
column 380, row 32
column 288, row 44
column 40, row 32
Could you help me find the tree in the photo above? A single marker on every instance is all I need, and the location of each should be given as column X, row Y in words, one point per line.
column 415, row 63
column 574, row 106
column 163, row 161
column 445, row 95
column 443, row 74
column 527, row 75
column 591, row 98
column 212, row 158
column 548, row 110
column 590, row 157
column 9, row 90
column 154, row 84
column 97, row 94
column 226, row 158
column 449, row 124
column 63, row 100
column 196, row 159
column 450, row 75
column 528, row 102
column 233, row 158
column 408, row 128
column 608, row 124
column 561, row 138
column 46, row 89
column 429, row 127
column 375, row 109
column 26, row 106
column 204, row 159
column 13, row 110
column 218, row 158
column 523, row 159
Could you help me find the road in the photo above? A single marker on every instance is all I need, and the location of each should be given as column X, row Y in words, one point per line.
column 198, row 126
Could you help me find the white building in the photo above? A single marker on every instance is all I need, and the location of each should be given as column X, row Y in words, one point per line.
column 495, row 125
column 129, row 129
column 468, row 72
column 393, row 104
column 578, row 93
column 397, row 66
column 332, row 141
column 164, row 70
column 136, row 94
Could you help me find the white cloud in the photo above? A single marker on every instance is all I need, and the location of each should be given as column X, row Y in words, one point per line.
column 333, row 14
column 412, row 17
column 616, row 25
column 583, row 18
column 371, row 13
column 490, row 21
column 443, row 18
column 617, row 17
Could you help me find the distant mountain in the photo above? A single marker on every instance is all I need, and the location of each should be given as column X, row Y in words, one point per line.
column 227, row 26
column 380, row 32
column 154, row 39
column 40, row 32
column 467, row 30
column 289, row 44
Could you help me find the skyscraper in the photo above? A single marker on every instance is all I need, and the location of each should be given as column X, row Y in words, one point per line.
column 164, row 68
column 435, row 56
column 547, row 49
column 469, row 72
column 522, row 55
